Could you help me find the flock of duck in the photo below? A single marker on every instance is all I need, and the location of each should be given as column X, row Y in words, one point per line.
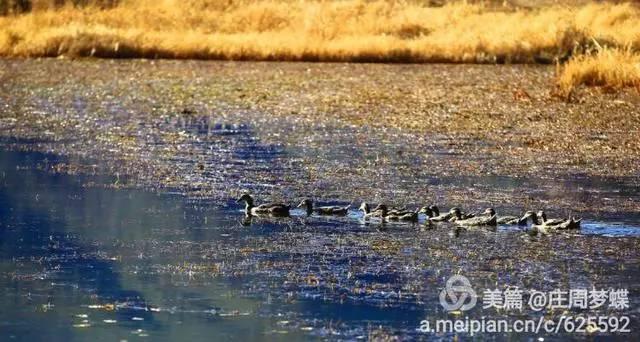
column 539, row 221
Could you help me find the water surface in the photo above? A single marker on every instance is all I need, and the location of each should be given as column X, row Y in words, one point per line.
column 80, row 260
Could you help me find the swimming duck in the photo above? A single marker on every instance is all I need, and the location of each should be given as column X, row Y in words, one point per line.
column 392, row 210
column 542, row 216
column 544, row 229
column 395, row 214
column 475, row 221
column 571, row 223
column 531, row 215
column 407, row 216
column 539, row 229
column 509, row 220
column 328, row 210
column 443, row 217
column 457, row 215
column 274, row 209
column 428, row 211
column 366, row 209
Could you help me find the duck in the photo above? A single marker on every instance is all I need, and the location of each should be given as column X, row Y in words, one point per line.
column 509, row 220
column 408, row 216
column 328, row 210
column 544, row 227
column 542, row 216
column 443, row 217
column 531, row 215
column 457, row 215
column 475, row 221
column 428, row 211
column 273, row 209
column 366, row 209
column 539, row 229
column 571, row 223
column 392, row 210
column 396, row 214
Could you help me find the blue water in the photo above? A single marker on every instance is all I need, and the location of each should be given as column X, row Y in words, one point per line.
column 86, row 262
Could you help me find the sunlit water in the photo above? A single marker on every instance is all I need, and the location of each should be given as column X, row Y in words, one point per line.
column 89, row 262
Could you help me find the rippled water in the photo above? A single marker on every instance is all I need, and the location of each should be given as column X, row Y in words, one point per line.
column 100, row 263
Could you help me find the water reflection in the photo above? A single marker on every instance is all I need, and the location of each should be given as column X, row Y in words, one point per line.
column 70, row 264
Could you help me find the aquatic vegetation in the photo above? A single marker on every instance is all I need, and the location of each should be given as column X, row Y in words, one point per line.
column 212, row 129
column 137, row 263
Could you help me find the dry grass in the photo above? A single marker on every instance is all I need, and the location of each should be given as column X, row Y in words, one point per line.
column 611, row 68
column 349, row 30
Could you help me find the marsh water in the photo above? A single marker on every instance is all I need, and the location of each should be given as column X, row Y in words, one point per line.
column 118, row 219
column 82, row 262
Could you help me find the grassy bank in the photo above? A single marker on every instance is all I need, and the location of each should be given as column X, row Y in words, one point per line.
column 610, row 68
column 350, row 30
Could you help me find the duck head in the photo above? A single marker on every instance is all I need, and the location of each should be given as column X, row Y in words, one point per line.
column 307, row 204
column 365, row 207
column 489, row 212
column 436, row 211
column 542, row 216
column 247, row 199
column 383, row 208
column 529, row 215
column 455, row 212
column 427, row 211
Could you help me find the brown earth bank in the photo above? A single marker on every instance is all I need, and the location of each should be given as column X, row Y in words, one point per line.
column 340, row 131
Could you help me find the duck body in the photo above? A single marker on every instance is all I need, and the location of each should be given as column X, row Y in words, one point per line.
column 545, row 228
column 367, row 213
column 273, row 209
column 443, row 217
column 455, row 214
column 571, row 223
column 410, row 216
column 539, row 229
column 510, row 220
column 542, row 217
column 461, row 216
column 428, row 212
column 393, row 211
column 326, row 210
column 478, row 221
column 458, row 215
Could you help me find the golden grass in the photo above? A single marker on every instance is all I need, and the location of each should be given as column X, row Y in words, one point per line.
column 613, row 68
column 314, row 30
column 349, row 30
